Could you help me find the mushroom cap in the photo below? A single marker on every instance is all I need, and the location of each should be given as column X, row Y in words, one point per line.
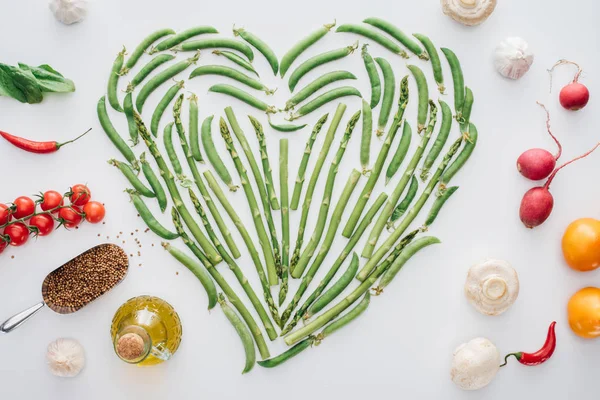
column 469, row 12
column 492, row 286
column 475, row 364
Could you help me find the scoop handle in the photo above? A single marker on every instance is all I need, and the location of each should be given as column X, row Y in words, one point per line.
column 19, row 319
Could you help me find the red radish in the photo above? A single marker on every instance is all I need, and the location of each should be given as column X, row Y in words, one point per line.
column 537, row 164
column 575, row 95
column 537, row 203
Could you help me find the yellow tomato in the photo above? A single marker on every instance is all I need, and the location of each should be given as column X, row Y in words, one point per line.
column 581, row 244
column 584, row 313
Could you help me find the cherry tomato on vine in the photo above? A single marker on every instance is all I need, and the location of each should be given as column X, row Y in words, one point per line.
column 80, row 195
column 44, row 224
column 5, row 214
column 70, row 217
column 51, row 199
column 24, row 207
column 18, row 234
column 3, row 244
column 94, row 212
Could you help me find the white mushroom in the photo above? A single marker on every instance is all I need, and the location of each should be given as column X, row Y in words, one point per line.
column 475, row 364
column 492, row 286
column 469, row 12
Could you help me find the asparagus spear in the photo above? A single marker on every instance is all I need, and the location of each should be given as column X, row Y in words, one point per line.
column 285, row 219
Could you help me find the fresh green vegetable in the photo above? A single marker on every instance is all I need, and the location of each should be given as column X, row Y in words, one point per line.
column 243, row 96
column 243, row 333
column 234, row 74
column 397, row 34
column 285, row 218
column 367, row 133
column 209, row 43
column 404, row 204
column 339, row 323
column 434, row 57
column 147, row 70
column 193, row 126
column 213, row 156
column 316, row 85
column 259, row 45
column 462, row 158
column 374, row 36
column 287, row 128
column 401, row 152
column 152, row 179
column 113, row 81
column 28, row 84
column 236, row 59
column 128, row 109
column 389, row 90
column 459, row 81
column 131, row 176
column 323, row 99
column 181, row 37
column 113, row 135
column 287, row 355
column 264, row 156
column 374, row 79
column 149, row 219
column 168, row 142
column 423, row 91
column 163, row 104
column 288, row 59
column 438, row 204
column 143, row 46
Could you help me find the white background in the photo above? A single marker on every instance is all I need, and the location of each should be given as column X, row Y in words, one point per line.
column 403, row 346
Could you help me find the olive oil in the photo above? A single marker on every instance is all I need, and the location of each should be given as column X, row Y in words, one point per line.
column 146, row 330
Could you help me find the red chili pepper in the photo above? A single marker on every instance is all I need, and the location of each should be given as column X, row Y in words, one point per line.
column 540, row 356
column 37, row 147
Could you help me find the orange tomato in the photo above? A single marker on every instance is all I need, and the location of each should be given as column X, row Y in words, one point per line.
column 581, row 244
column 584, row 313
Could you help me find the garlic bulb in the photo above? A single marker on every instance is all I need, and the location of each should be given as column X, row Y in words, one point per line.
column 475, row 364
column 513, row 58
column 469, row 12
column 492, row 286
column 65, row 357
column 69, row 11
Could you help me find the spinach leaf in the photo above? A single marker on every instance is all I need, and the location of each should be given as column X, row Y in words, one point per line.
column 21, row 85
column 49, row 79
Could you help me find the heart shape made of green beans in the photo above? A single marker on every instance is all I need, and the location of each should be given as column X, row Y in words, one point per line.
column 381, row 218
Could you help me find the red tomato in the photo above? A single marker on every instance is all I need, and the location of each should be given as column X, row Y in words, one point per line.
column 43, row 222
column 24, row 207
column 18, row 234
column 70, row 217
column 4, row 214
column 80, row 195
column 94, row 212
column 3, row 244
column 52, row 199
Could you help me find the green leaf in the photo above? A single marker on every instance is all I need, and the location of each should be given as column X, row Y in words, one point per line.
column 48, row 79
column 8, row 87
column 21, row 84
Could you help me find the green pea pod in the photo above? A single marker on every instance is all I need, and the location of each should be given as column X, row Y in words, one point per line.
column 397, row 34
column 113, row 81
column 367, row 133
column 286, row 127
column 374, row 36
column 259, row 45
column 243, row 96
column 462, row 158
column 289, row 354
column 163, row 104
column 128, row 109
column 193, row 124
column 459, row 81
column 423, row 96
column 242, row 331
column 323, row 99
column 200, row 272
column 405, row 203
column 440, row 141
column 389, row 89
column 439, row 203
column 209, row 43
column 113, row 135
column 147, row 70
column 341, row 322
column 401, row 152
column 181, row 37
column 133, row 179
column 236, row 59
column 434, row 57
column 149, row 219
column 404, row 256
column 374, row 79
column 293, row 53
column 155, row 184
column 315, row 85
column 143, row 46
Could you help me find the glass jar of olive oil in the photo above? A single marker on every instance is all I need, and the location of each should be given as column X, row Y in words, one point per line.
column 146, row 330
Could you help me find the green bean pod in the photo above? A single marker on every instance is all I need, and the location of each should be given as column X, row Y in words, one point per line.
column 389, row 89
column 315, row 85
column 440, row 141
column 243, row 333
column 243, row 96
column 236, row 59
column 128, row 109
column 406, row 254
column 287, row 355
column 434, row 57
column 200, row 273
column 113, row 81
column 405, row 203
column 401, row 152
column 113, row 135
column 261, row 46
column 288, row 59
column 341, row 322
column 323, row 99
column 458, row 79
column 149, row 219
column 163, row 104
column 367, row 133
column 181, row 37
column 462, row 158
column 193, row 126
column 210, row 43
column 131, row 176
column 397, row 34
column 438, row 204
column 337, row 288
column 143, row 46
column 231, row 73
column 147, row 70
column 155, row 184
column 213, row 155
column 286, row 128
column 161, row 78
column 374, row 36
column 317, row 61
column 374, row 79
column 304, row 162
column 423, row 91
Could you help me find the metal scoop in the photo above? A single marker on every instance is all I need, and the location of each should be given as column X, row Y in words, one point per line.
column 18, row 319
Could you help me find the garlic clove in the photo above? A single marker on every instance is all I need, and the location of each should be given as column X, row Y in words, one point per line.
column 513, row 57
column 69, row 11
column 492, row 286
column 468, row 12
column 65, row 357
